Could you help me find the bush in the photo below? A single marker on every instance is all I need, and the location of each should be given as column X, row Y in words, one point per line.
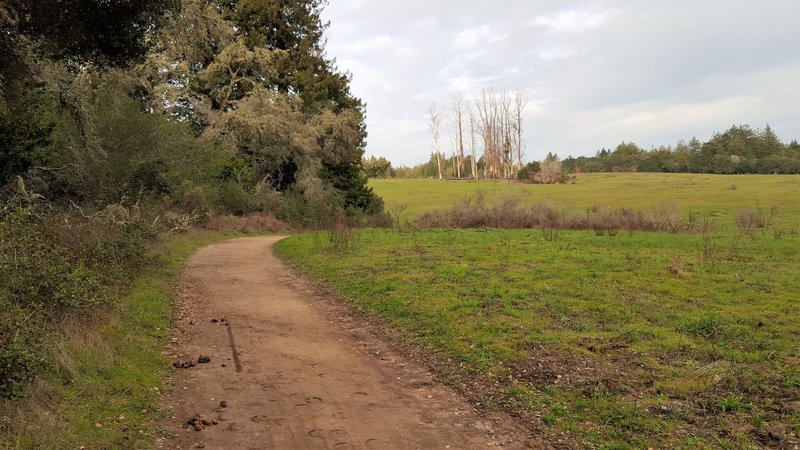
column 749, row 220
column 38, row 273
column 234, row 199
column 249, row 223
column 513, row 213
column 192, row 197
column 112, row 240
column 52, row 266
column 20, row 345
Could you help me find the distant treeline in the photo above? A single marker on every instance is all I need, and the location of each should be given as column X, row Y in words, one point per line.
column 741, row 149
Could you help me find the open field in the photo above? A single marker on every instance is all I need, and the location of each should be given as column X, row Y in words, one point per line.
column 720, row 194
column 631, row 340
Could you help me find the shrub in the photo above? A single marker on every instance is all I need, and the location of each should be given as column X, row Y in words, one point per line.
column 20, row 335
column 40, row 274
column 748, row 220
column 249, row 223
column 51, row 266
column 191, row 197
column 513, row 213
column 342, row 237
column 234, row 199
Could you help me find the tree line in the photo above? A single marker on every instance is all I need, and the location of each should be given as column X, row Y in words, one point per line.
column 739, row 150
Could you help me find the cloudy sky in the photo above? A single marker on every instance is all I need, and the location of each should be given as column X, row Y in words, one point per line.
column 596, row 72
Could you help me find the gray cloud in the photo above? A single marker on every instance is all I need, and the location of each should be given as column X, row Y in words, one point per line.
column 597, row 72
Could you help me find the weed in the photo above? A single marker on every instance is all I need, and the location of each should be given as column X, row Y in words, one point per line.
column 732, row 404
column 104, row 363
column 709, row 248
column 396, row 215
column 460, row 270
column 704, row 325
column 551, row 234
column 342, row 237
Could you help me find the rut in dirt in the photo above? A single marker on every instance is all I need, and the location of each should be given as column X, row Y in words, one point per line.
column 288, row 370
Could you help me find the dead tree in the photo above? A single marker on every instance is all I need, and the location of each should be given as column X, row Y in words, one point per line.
column 496, row 118
column 435, row 124
column 507, row 157
column 458, row 124
column 485, row 107
column 472, row 145
column 520, row 102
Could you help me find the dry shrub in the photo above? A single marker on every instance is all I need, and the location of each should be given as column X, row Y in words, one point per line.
column 677, row 268
column 513, row 213
column 748, row 220
column 550, row 172
column 342, row 237
column 250, row 223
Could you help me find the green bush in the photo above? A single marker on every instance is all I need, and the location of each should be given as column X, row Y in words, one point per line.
column 52, row 266
column 234, row 199
column 38, row 273
column 192, row 197
column 20, row 337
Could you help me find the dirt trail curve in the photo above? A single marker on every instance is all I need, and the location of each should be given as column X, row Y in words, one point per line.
column 302, row 376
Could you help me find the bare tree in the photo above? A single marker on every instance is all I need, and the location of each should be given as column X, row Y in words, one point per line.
column 454, row 156
column 507, row 157
column 472, row 145
column 435, row 124
column 484, row 111
column 496, row 118
column 458, row 123
column 520, row 102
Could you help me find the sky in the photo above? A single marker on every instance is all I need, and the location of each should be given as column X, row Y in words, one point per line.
column 595, row 72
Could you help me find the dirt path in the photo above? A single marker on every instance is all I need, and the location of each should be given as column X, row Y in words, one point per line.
column 301, row 376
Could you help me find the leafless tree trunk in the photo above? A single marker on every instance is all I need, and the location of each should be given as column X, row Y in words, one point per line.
column 454, row 157
column 435, row 124
column 472, row 145
column 520, row 102
column 504, row 102
column 485, row 110
column 458, row 119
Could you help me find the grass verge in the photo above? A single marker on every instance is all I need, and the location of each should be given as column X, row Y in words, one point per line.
column 101, row 392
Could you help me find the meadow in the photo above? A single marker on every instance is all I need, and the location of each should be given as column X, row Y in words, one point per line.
column 603, row 340
column 711, row 194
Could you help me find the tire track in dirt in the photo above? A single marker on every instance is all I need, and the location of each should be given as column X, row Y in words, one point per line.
column 306, row 380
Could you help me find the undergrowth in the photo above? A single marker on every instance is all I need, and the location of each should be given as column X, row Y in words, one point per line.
column 96, row 370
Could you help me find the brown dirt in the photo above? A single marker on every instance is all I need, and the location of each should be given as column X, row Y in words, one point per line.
column 298, row 373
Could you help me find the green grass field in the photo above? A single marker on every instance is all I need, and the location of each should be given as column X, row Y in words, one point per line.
column 720, row 194
column 631, row 340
